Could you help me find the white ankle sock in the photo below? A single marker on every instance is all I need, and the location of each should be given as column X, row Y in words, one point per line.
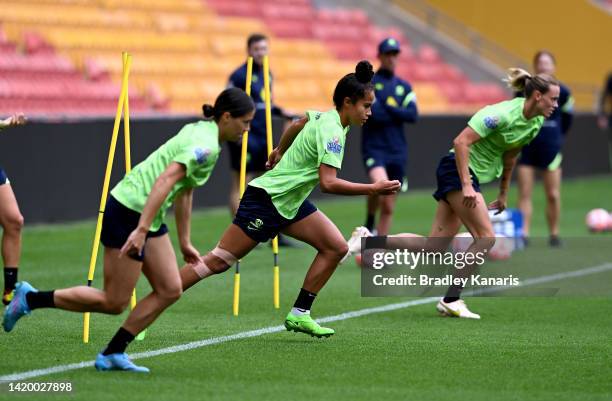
column 299, row 312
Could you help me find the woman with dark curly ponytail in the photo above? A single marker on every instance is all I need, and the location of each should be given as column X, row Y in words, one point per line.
column 310, row 152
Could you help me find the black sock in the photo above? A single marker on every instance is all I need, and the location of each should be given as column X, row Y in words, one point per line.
column 370, row 221
column 304, row 300
column 453, row 294
column 10, row 278
column 41, row 299
column 119, row 342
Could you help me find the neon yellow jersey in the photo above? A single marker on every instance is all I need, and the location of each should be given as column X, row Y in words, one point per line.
column 291, row 181
column 196, row 147
column 502, row 127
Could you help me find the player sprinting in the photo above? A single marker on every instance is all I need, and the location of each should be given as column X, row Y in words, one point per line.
column 135, row 237
column 383, row 143
column 485, row 150
column 310, row 152
column 544, row 154
column 11, row 221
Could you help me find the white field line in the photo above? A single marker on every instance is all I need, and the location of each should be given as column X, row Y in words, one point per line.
column 275, row 329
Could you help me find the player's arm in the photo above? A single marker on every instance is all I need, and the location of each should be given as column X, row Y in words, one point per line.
column 461, row 145
column 161, row 188
column 286, row 140
column 330, row 183
column 406, row 111
column 509, row 161
column 182, row 214
column 15, row 119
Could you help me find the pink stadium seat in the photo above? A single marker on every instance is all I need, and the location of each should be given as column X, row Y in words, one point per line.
column 290, row 29
column 428, row 54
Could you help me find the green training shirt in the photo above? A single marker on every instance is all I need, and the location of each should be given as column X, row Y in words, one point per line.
column 196, row 147
column 502, row 127
column 289, row 183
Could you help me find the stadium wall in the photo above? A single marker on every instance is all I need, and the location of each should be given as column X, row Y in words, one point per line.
column 57, row 169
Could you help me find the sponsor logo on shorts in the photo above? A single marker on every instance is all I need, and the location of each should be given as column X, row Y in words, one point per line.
column 370, row 162
column 334, row 145
column 201, row 155
column 491, row 122
column 255, row 225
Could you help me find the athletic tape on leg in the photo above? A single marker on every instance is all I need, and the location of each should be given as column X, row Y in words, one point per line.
column 202, row 270
column 224, row 255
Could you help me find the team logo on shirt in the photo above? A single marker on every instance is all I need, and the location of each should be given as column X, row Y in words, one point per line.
column 201, row 155
column 334, row 145
column 491, row 122
column 399, row 90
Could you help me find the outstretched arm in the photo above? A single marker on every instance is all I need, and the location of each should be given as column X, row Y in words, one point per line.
column 330, row 183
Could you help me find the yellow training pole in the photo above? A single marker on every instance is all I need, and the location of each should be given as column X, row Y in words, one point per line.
column 243, row 161
column 276, row 270
column 127, row 59
column 127, row 62
column 109, row 168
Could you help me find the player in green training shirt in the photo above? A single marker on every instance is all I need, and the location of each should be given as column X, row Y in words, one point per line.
column 310, row 153
column 485, row 150
column 134, row 223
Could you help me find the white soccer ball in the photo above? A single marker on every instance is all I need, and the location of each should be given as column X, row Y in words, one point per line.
column 501, row 250
column 461, row 242
column 598, row 220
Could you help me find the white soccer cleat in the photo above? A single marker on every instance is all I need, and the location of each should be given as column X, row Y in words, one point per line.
column 354, row 243
column 442, row 310
column 456, row 309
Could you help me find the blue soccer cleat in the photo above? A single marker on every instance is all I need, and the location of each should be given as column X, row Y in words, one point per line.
column 18, row 306
column 117, row 362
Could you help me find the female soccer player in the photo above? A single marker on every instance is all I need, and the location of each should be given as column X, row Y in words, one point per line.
column 383, row 143
column 11, row 221
column 544, row 154
column 310, row 152
column 134, row 223
column 485, row 150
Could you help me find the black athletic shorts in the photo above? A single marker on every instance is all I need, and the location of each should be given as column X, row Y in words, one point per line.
column 448, row 178
column 119, row 222
column 258, row 218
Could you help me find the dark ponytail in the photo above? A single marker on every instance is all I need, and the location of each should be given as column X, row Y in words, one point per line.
column 232, row 100
column 354, row 85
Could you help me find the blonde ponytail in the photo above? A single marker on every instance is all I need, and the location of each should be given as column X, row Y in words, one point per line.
column 522, row 81
column 517, row 79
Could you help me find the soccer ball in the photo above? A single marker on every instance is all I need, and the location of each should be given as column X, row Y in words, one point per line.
column 598, row 220
column 501, row 250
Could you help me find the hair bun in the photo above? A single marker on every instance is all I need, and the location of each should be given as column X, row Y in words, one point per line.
column 208, row 111
column 364, row 71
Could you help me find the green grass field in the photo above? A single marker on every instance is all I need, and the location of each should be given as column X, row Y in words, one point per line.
column 554, row 348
